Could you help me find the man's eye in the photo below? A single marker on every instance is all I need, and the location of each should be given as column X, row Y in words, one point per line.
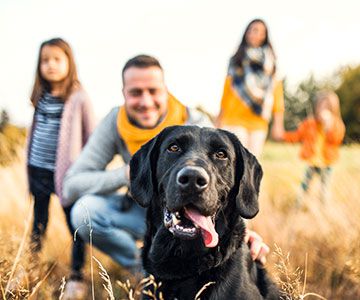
column 136, row 93
column 221, row 154
column 173, row 148
column 153, row 92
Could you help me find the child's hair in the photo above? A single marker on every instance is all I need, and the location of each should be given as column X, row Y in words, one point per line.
column 332, row 100
column 70, row 82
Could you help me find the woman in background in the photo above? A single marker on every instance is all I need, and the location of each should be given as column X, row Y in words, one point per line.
column 252, row 95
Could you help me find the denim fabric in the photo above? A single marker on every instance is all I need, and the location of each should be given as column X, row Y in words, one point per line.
column 115, row 225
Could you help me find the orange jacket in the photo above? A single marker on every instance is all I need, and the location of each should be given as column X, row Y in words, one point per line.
column 307, row 134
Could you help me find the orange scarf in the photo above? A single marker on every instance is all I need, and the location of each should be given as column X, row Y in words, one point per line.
column 135, row 137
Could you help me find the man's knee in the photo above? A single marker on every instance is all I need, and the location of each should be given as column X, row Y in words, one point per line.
column 83, row 213
column 91, row 213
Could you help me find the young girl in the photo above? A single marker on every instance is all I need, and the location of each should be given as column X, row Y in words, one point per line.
column 251, row 92
column 321, row 137
column 62, row 122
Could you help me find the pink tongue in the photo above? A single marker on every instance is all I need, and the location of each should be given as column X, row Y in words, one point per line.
column 208, row 232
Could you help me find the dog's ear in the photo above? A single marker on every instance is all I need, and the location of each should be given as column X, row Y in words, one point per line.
column 143, row 183
column 142, row 169
column 248, row 174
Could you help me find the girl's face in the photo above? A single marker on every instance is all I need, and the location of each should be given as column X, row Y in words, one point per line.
column 54, row 64
column 256, row 35
column 322, row 108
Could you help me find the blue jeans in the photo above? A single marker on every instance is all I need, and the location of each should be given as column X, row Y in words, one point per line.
column 114, row 230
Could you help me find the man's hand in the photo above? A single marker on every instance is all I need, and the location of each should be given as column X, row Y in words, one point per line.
column 326, row 119
column 127, row 172
column 277, row 129
column 258, row 249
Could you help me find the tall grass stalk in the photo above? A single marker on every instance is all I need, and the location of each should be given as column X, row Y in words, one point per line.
column 22, row 244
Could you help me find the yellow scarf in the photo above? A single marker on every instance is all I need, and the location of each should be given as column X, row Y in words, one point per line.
column 135, row 137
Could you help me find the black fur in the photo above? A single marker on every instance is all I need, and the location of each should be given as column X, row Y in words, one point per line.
column 231, row 194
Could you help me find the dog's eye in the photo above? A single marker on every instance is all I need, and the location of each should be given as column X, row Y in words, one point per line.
column 220, row 154
column 173, row 148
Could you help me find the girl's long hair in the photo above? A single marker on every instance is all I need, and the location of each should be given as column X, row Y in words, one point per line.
column 237, row 58
column 333, row 102
column 71, row 82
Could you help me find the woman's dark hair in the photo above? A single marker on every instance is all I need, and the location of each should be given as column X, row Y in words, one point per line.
column 141, row 61
column 71, row 81
column 237, row 58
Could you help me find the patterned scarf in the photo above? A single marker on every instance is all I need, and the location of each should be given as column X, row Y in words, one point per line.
column 135, row 137
column 254, row 80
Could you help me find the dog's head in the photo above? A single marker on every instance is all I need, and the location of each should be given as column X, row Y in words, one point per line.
column 190, row 174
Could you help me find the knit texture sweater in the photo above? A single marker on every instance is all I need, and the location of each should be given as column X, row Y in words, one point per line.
column 77, row 124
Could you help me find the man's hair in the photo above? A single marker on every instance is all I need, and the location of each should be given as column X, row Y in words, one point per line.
column 141, row 61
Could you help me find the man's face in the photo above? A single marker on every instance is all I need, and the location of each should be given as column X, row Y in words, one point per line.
column 145, row 95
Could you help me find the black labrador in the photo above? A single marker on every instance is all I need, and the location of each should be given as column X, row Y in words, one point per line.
column 198, row 185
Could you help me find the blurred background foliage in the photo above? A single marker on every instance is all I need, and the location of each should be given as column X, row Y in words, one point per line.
column 12, row 139
column 345, row 82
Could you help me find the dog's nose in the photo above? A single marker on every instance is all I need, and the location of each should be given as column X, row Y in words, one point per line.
column 192, row 178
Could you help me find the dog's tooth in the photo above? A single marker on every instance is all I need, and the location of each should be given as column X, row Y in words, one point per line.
column 190, row 230
column 213, row 218
column 177, row 215
column 175, row 219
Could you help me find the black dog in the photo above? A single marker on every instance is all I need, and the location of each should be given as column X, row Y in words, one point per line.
column 198, row 184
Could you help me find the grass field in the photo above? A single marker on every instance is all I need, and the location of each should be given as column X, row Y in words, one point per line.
column 319, row 242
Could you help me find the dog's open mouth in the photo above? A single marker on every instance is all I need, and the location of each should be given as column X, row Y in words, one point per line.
column 188, row 223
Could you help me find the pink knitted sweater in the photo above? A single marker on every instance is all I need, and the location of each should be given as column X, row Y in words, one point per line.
column 77, row 123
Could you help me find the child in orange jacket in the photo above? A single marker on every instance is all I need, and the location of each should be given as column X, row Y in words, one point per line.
column 321, row 137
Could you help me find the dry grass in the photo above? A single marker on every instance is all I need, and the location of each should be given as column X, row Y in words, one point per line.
column 327, row 234
column 11, row 139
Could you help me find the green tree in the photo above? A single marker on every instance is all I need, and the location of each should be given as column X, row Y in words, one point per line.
column 299, row 103
column 349, row 93
column 345, row 82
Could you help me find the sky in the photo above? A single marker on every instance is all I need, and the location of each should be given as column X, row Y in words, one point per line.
column 193, row 39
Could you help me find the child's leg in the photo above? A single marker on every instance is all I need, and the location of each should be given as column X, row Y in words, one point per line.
column 41, row 217
column 304, row 186
column 324, row 177
column 257, row 141
column 309, row 173
column 41, row 186
column 78, row 249
column 242, row 134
